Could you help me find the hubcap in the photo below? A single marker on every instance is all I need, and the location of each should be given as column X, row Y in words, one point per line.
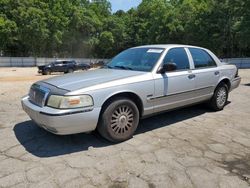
column 221, row 96
column 122, row 120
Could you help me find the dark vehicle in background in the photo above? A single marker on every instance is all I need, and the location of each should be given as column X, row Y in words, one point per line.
column 65, row 66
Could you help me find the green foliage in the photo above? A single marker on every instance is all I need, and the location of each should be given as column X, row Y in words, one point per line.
column 83, row 28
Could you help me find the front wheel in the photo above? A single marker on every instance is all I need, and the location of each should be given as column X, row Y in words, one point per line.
column 47, row 72
column 119, row 120
column 219, row 99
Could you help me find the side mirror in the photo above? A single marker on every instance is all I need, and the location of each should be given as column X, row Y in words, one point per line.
column 168, row 67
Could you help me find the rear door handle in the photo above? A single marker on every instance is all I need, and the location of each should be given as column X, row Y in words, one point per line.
column 191, row 76
column 216, row 73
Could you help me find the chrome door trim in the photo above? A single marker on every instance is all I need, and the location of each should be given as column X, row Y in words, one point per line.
column 183, row 92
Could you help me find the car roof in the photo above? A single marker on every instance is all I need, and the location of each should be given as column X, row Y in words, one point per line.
column 59, row 60
column 168, row 46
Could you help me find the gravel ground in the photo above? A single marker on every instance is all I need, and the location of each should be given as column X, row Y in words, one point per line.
column 191, row 147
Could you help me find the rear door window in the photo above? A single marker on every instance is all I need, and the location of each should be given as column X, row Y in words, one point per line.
column 58, row 63
column 201, row 58
column 66, row 62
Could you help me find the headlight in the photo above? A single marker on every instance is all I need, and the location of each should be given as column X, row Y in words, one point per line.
column 69, row 102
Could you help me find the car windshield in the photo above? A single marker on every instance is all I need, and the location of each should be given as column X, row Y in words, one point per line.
column 138, row 59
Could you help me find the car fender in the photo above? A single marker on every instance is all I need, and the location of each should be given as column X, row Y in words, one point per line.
column 120, row 92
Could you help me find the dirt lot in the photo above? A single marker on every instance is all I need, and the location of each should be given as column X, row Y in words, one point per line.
column 192, row 147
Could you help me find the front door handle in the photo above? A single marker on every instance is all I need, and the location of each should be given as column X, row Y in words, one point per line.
column 191, row 76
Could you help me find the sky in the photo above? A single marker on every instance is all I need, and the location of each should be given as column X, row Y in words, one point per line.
column 124, row 4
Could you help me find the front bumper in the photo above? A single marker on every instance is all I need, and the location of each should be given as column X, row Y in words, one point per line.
column 62, row 122
column 235, row 83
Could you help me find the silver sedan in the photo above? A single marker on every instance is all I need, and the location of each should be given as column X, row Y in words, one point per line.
column 137, row 83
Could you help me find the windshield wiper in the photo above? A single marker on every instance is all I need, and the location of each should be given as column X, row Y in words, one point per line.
column 123, row 67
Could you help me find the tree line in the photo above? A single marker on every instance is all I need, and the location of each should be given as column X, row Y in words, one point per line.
column 84, row 28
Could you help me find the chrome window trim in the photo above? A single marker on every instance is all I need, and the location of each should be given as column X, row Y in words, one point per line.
column 190, row 58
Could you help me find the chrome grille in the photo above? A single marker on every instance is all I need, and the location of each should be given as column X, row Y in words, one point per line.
column 38, row 95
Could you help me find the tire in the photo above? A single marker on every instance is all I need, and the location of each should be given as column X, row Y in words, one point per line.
column 85, row 68
column 70, row 70
column 46, row 72
column 219, row 99
column 118, row 120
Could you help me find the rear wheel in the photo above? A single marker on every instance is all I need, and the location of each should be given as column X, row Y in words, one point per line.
column 119, row 120
column 70, row 70
column 219, row 99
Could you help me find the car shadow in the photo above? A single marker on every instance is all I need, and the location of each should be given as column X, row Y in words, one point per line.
column 52, row 74
column 171, row 117
column 42, row 144
column 247, row 84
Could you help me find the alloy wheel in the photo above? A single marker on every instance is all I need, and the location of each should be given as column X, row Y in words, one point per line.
column 122, row 120
column 221, row 96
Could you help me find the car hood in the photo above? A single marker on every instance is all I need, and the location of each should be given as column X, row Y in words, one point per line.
column 89, row 78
